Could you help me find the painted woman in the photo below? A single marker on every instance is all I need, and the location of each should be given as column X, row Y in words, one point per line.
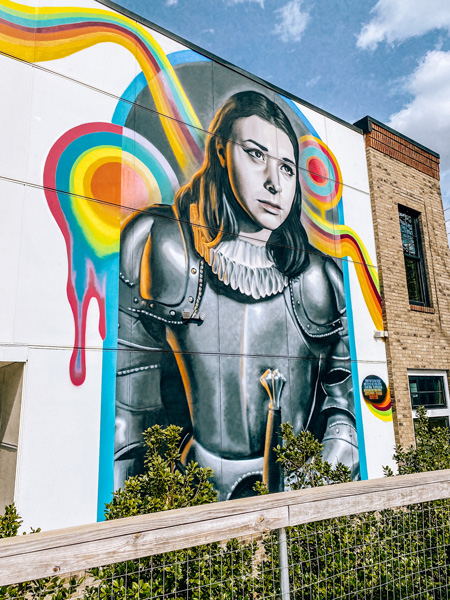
column 221, row 298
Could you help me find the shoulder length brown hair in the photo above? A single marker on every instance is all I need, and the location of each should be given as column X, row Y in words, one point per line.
column 208, row 201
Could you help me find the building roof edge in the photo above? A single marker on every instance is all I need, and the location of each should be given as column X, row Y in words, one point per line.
column 366, row 125
column 225, row 63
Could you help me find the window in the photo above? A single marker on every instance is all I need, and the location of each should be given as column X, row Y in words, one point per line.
column 413, row 254
column 430, row 389
column 427, row 390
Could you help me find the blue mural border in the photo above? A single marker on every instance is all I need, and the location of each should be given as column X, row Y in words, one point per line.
column 107, row 418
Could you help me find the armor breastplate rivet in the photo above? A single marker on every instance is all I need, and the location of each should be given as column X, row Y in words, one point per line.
column 193, row 270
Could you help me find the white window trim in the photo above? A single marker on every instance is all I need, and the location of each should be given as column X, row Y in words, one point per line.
column 432, row 412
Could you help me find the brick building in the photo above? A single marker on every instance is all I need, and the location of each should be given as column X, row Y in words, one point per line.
column 414, row 267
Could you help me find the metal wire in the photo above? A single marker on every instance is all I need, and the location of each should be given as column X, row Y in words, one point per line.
column 395, row 554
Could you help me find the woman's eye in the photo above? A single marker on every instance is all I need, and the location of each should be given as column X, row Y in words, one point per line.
column 287, row 169
column 255, row 153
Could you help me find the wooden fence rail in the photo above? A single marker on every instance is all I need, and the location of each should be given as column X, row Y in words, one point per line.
column 76, row 548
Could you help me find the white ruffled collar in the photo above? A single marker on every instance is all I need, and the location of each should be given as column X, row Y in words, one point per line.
column 244, row 267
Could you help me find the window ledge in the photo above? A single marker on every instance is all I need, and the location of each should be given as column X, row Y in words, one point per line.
column 423, row 309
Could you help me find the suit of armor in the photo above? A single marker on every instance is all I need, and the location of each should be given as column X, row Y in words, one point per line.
column 197, row 333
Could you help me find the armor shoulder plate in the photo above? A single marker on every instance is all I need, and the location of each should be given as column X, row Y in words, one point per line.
column 132, row 241
column 163, row 264
column 318, row 297
column 157, row 261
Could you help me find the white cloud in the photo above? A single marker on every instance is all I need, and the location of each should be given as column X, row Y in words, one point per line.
column 313, row 81
column 292, row 21
column 171, row 2
column 231, row 2
column 426, row 118
column 397, row 20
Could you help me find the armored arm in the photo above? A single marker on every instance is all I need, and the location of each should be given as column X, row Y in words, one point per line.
column 338, row 408
column 147, row 377
column 339, row 439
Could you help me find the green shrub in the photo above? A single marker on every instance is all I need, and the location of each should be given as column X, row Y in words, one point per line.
column 50, row 588
column 431, row 452
column 398, row 553
column 204, row 572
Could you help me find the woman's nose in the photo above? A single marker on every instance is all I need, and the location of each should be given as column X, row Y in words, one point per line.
column 272, row 183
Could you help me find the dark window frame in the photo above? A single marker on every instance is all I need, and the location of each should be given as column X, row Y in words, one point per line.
column 438, row 414
column 427, row 391
column 412, row 245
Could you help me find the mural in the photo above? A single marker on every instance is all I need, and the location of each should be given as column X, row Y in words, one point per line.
column 227, row 282
column 208, row 215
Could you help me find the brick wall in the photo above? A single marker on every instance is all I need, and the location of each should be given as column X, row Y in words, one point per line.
column 403, row 150
column 400, row 173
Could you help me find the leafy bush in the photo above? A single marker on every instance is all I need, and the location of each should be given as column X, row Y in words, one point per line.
column 301, row 459
column 163, row 486
column 10, row 522
column 51, row 588
column 398, row 553
column 300, row 456
column 204, row 572
column 431, row 452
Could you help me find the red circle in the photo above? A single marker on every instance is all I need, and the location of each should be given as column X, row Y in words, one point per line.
column 317, row 170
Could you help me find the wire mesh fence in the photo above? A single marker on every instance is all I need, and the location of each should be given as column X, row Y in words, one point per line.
column 393, row 554
column 400, row 554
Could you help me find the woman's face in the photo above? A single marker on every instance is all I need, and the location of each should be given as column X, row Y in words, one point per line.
column 261, row 168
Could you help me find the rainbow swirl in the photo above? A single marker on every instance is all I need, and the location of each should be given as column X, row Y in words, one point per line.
column 381, row 410
column 43, row 34
column 321, row 182
column 94, row 175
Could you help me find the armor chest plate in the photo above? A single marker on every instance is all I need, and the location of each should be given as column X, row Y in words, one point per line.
column 222, row 359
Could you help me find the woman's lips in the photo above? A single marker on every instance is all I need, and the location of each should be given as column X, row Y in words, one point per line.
column 271, row 207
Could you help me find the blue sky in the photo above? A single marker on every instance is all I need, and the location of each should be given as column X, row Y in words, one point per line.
column 387, row 58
